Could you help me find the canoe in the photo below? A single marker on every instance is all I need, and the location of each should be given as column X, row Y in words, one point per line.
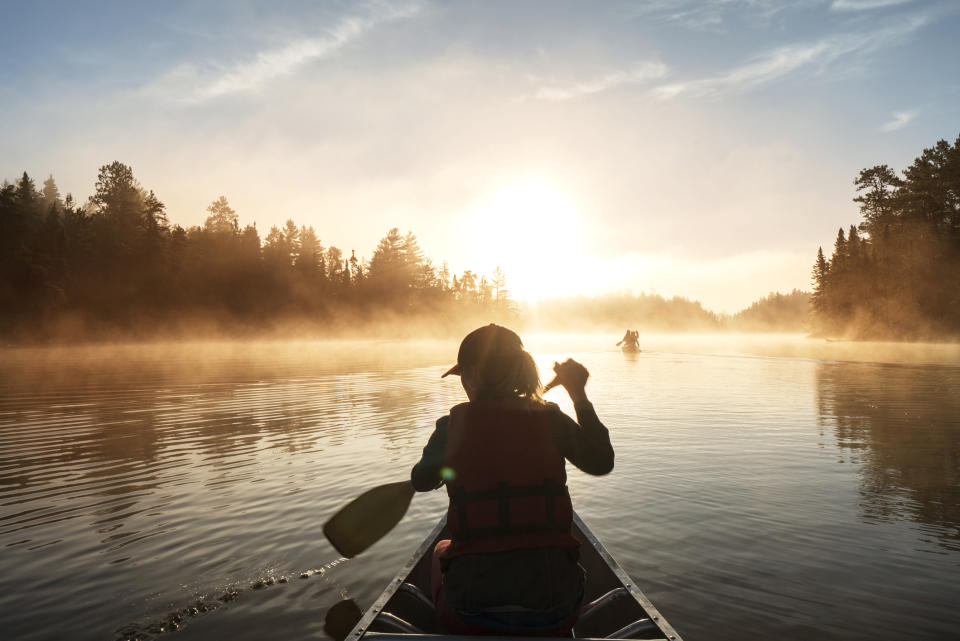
column 629, row 348
column 615, row 608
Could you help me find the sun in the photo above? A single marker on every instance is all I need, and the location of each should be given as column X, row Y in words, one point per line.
column 531, row 230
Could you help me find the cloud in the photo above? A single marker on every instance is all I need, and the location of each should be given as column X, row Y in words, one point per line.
column 640, row 73
column 782, row 61
column 900, row 120
column 862, row 5
column 194, row 83
column 712, row 15
column 768, row 67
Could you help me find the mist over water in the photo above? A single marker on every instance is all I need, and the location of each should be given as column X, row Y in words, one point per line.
column 793, row 488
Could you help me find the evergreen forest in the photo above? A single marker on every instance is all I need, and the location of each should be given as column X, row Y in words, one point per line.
column 775, row 312
column 896, row 275
column 116, row 267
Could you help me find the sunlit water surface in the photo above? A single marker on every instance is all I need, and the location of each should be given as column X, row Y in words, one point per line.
column 764, row 488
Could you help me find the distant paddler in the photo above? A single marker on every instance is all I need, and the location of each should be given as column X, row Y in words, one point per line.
column 630, row 341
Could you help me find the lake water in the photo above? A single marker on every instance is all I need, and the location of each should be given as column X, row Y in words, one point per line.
column 764, row 487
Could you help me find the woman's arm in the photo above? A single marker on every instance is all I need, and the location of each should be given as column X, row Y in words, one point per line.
column 425, row 475
column 586, row 441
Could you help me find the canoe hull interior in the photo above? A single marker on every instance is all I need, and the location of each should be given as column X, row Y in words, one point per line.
column 404, row 612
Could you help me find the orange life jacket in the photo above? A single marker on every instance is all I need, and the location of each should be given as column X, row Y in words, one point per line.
column 506, row 479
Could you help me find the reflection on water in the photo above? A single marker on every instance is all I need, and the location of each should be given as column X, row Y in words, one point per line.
column 134, row 481
column 757, row 486
column 901, row 426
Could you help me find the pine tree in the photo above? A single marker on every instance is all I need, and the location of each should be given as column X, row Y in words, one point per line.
column 153, row 216
column 356, row 269
column 879, row 185
column 222, row 219
column 292, row 237
column 444, row 277
column 117, row 193
column 310, row 249
column 388, row 258
column 275, row 249
column 411, row 250
column 839, row 258
column 821, row 269
column 854, row 244
column 468, row 286
column 499, row 281
column 484, row 291
column 51, row 195
column 25, row 192
column 335, row 264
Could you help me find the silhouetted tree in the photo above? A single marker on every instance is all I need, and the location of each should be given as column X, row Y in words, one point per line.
column 775, row 312
column 117, row 262
column 443, row 277
column 335, row 262
column 51, row 195
column 821, row 270
column 356, row 269
column 468, row 286
column 222, row 219
column 484, row 291
column 898, row 280
column 878, row 184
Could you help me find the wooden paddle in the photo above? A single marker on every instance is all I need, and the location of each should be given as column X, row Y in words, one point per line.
column 367, row 518
column 342, row 617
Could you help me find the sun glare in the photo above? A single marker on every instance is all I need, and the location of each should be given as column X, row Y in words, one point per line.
column 532, row 231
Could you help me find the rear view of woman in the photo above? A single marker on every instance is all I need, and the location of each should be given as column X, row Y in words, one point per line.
column 510, row 566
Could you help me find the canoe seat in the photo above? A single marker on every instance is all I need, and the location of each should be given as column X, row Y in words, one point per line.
column 393, row 623
column 597, row 604
column 418, row 614
column 642, row 626
column 638, row 627
column 417, row 594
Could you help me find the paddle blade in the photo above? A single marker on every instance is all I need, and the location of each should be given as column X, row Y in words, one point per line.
column 341, row 618
column 367, row 518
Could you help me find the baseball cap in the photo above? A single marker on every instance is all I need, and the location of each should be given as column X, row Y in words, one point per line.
column 488, row 345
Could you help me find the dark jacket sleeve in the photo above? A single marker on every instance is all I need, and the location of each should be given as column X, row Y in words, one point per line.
column 425, row 475
column 587, row 444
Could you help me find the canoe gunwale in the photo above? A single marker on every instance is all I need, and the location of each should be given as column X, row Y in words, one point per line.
column 627, row 582
column 374, row 610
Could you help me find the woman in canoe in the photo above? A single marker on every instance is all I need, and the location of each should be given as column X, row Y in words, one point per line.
column 510, row 566
column 630, row 340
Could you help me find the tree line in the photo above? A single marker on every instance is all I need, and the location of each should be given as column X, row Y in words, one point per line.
column 613, row 313
column 116, row 263
column 896, row 275
column 775, row 312
column 618, row 311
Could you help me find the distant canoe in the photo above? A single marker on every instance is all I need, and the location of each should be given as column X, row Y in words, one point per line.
column 629, row 348
column 615, row 608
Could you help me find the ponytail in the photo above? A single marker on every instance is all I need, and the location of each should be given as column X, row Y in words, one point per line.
column 518, row 378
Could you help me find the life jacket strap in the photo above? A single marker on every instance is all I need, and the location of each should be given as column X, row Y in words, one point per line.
column 550, row 490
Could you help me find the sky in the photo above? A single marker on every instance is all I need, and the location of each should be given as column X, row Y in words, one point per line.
column 702, row 149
